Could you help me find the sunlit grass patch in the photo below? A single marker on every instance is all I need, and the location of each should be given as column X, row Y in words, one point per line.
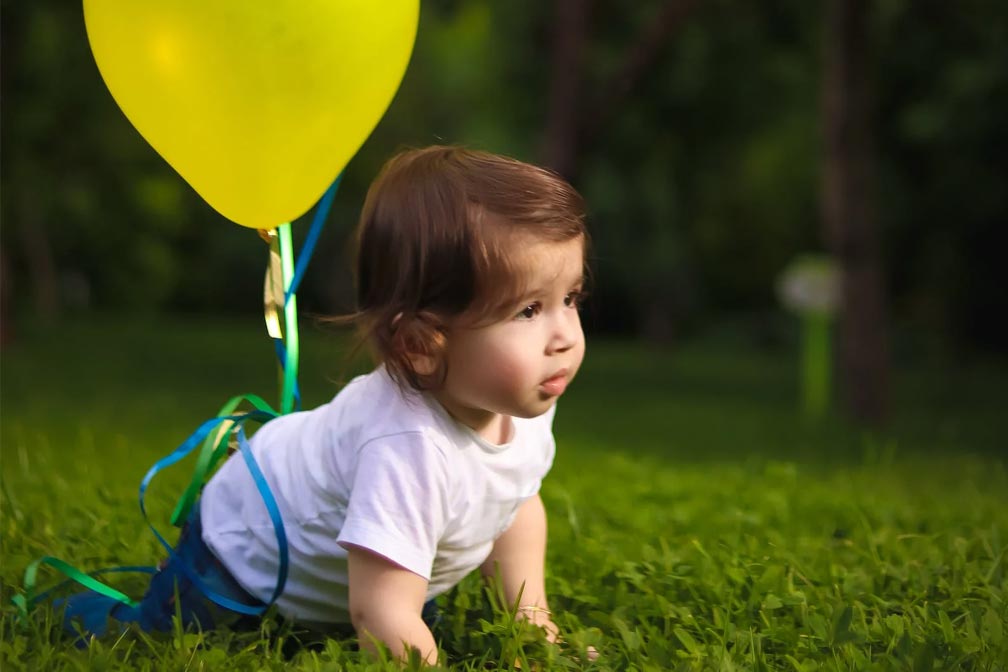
column 695, row 521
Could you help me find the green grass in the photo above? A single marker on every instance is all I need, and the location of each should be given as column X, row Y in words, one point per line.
column 696, row 522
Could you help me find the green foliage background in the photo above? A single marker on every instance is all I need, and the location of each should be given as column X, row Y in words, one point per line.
column 702, row 182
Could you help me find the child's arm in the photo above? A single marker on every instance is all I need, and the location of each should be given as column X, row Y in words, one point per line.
column 519, row 557
column 385, row 603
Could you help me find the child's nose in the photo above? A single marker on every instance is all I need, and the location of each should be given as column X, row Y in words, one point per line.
column 566, row 332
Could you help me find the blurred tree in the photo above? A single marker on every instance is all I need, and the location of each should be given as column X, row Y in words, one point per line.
column 92, row 215
column 577, row 118
column 848, row 217
column 32, row 237
column 942, row 136
column 564, row 122
column 690, row 127
column 701, row 177
column 574, row 119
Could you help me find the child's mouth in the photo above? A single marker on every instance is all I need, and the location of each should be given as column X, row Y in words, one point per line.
column 555, row 385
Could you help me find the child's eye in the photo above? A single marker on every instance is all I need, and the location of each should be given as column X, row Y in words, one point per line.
column 528, row 312
column 573, row 299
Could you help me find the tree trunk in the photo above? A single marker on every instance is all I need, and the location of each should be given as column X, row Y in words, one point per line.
column 848, row 217
column 6, row 326
column 573, row 124
column 564, row 121
column 640, row 58
column 38, row 254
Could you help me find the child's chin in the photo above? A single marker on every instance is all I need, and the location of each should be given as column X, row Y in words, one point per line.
column 536, row 409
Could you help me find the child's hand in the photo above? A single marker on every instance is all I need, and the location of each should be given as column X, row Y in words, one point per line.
column 544, row 619
column 541, row 617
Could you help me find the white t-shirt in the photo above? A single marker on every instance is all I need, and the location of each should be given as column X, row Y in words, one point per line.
column 378, row 468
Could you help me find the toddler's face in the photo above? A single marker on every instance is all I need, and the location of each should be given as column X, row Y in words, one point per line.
column 520, row 365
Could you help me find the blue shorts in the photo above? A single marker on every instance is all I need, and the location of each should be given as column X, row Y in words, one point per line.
column 172, row 592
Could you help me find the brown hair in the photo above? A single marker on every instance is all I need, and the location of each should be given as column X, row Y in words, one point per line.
column 432, row 247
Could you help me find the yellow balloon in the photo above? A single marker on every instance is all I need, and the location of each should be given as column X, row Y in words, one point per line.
column 258, row 105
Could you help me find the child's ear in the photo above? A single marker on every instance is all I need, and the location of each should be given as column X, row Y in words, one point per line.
column 424, row 366
column 421, row 340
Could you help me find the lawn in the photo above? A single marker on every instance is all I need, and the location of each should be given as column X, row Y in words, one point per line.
column 696, row 521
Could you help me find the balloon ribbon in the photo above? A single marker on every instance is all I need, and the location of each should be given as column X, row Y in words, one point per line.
column 279, row 272
column 279, row 294
column 225, row 430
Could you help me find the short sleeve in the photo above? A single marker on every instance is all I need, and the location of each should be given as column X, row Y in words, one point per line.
column 398, row 501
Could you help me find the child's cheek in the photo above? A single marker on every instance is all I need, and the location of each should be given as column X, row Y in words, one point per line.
column 506, row 372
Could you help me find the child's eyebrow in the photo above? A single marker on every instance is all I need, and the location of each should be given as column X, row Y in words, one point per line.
column 576, row 279
column 540, row 290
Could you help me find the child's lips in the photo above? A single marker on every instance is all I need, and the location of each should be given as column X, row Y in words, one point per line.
column 555, row 385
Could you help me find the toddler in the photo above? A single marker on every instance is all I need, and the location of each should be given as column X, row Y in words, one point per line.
column 469, row 272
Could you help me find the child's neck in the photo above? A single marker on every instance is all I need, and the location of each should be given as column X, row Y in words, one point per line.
column 499, row 431
column 496, row 428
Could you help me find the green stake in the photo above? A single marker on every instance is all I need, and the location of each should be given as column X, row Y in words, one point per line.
column 816, row 364
column 810, row 287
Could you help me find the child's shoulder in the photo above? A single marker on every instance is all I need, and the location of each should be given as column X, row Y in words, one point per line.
column 373, row 405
